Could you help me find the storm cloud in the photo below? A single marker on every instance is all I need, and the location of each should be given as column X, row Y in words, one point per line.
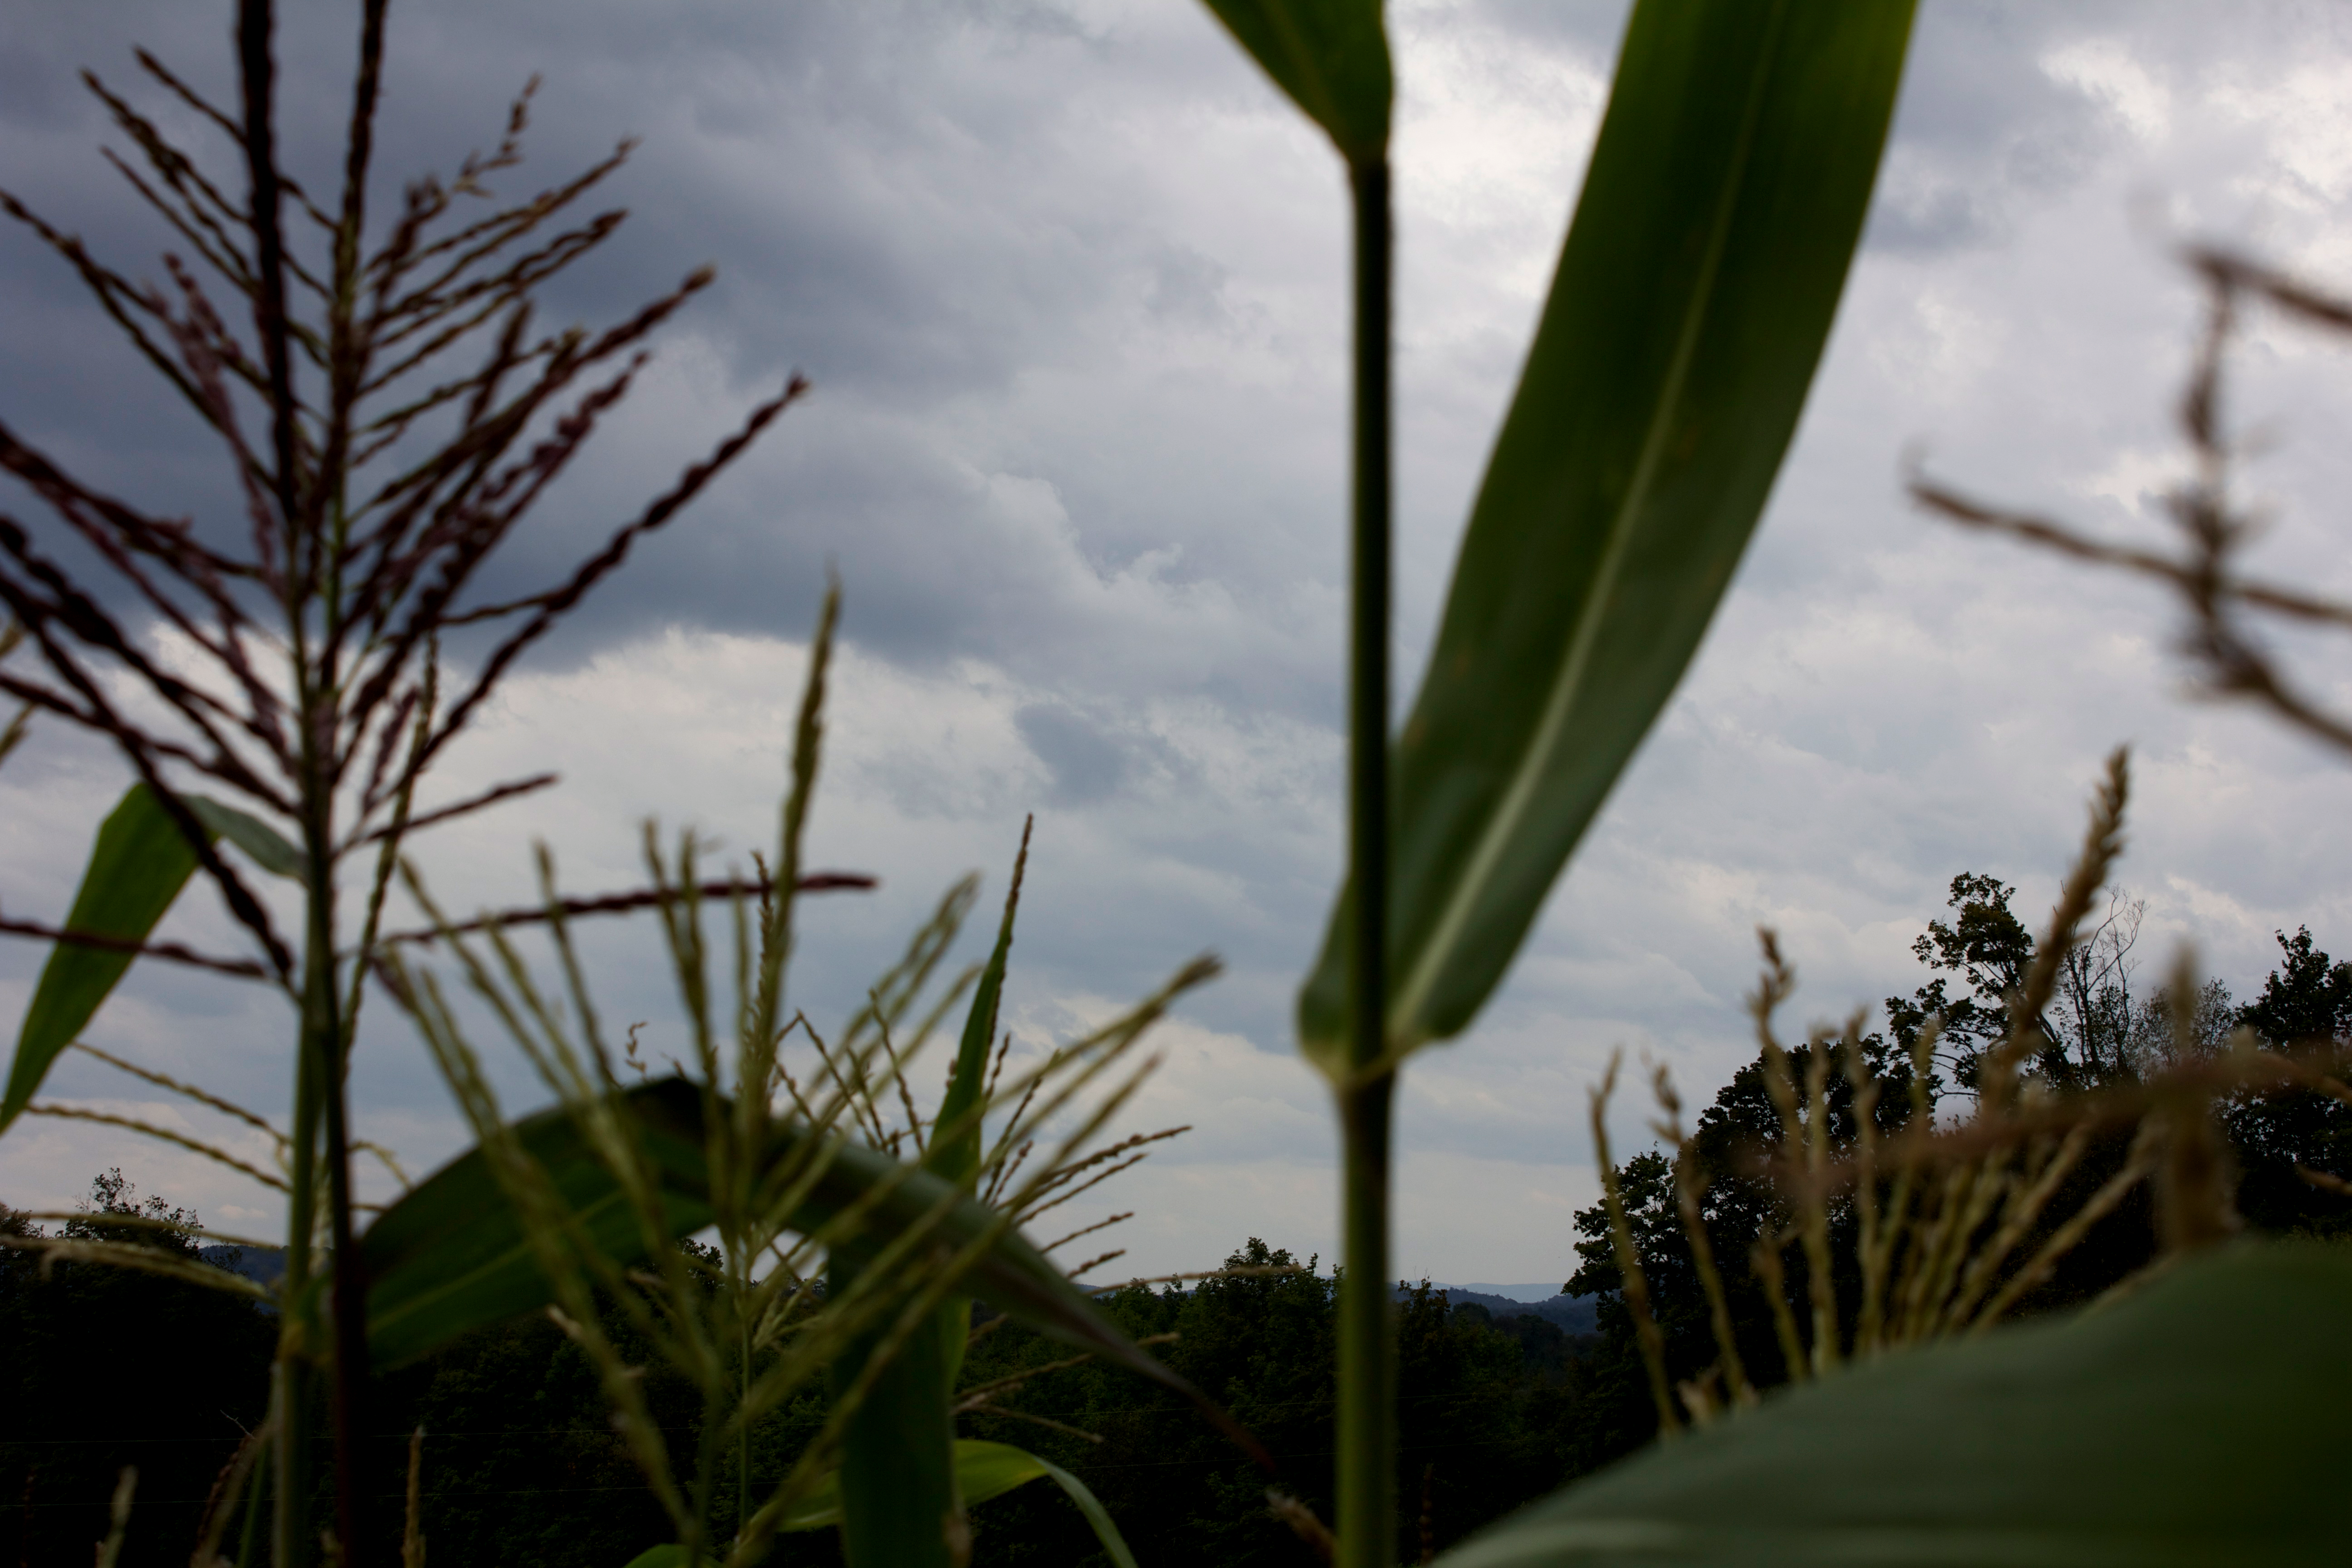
column 1069, row 284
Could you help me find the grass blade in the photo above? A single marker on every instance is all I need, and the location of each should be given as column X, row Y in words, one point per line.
column 1694, row 295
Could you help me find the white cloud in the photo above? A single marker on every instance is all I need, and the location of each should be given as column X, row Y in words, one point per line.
column 1070, row 283
column 2107, row 70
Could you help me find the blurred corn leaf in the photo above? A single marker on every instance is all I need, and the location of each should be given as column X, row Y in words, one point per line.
column 671, row 1555
column 955, row 1151
column 2197, row 1421
column 1330, row 57
column 268, row 847
column 450, row 1255
column 900, row 1469
column 136, row 870
column 983, row 1470
column 1694, row 292
column 895, row 1491
column 1107, row 1533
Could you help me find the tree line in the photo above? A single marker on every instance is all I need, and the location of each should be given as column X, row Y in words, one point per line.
column 520, row 1466
column 2289, row 1152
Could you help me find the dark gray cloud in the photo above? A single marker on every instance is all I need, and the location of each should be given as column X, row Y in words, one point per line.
column 1087, row 765
column 1069, row 283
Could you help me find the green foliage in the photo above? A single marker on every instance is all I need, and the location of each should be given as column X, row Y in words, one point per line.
column 895, row 1489
column 391, row 413
column 265, row 843
column 2304, row 1008
column 107, row 1367
column 2192, row 1423
column 1694, row 295
column 1741, row 1206
column 1695, row 291
column 2306, row 999
column 2271, row 1132
column 1486, row 1422
column 136, row 870
column 1986, row 944
column 521, row 1462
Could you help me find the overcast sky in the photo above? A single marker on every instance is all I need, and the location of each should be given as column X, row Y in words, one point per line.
column 1069, row 282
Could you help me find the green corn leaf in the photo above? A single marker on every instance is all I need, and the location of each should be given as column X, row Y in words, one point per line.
column 897, row 1483
column 136, row 868
column 983, row 1470
column 819, row 1508
column 670, row 1556
column 1107, row 1533
column 268, row 847
column 2197, row 1421
column 450, row 1255
column 955, row 1152
column 1694, row 292
column 896, row 1474
column 1330, row 58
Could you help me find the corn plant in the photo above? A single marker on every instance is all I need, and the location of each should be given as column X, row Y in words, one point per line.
column 1940, row 1212
column 1719, row 213
column 1692, row 300
column 853, row 1231
column 391, row 410
column 2182, row 1417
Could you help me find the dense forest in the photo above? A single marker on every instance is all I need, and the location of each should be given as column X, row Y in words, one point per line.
column 112, row 1368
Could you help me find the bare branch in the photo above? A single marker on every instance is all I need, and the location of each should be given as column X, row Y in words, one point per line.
column 169, row 951
column 488, row 797
column 620, row 904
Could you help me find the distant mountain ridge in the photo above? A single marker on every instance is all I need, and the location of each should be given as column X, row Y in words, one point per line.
column 1543, row 1292
column 1574, row 1314
column 262, row 1264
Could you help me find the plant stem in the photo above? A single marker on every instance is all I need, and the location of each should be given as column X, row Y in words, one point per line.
column 1367, row 1415
column 323, row 1033
column 297, row 1381
column 743, row 1399
column 1366, row 1394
